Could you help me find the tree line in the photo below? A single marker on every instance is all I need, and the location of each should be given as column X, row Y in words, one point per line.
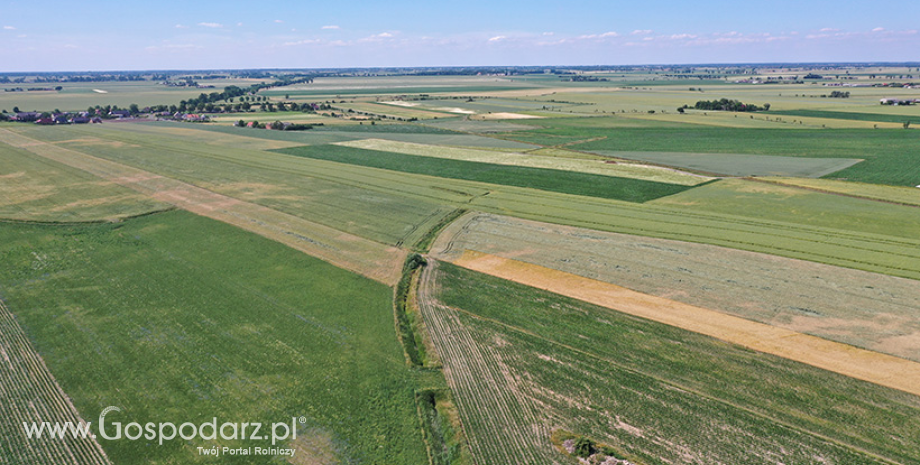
column 725, row 104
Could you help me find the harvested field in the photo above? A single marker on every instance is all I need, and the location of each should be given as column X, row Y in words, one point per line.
column 353, row 253
column 30, row 394
column 625, row 170
column 874, row 367
column 863, row 309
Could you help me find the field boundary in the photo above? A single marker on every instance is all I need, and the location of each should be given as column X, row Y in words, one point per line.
column 874, row 367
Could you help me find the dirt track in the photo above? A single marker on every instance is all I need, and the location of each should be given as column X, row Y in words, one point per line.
column 840, row 358
column 363, row 256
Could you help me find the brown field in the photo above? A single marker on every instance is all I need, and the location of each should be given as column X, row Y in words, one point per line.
column 868, row 310
column 854, row 362
column 369, row 258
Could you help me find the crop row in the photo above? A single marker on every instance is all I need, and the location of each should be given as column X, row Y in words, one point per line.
column 29, row 394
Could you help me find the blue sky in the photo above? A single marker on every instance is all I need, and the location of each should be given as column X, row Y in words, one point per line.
column 124, row 35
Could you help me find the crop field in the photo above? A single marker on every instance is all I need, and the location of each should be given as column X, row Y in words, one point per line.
column 625, row 170
column 893, row 194
column 363, row 256
column 415, row 133
column 834, row 303
column 568, row 182
column 887, row 154
column 31, row 394
column 475, row 126
column 783, row 203
column 182, row 330
column 733, row 164
column 524, row 362
column 746, row 283
column 34, row 189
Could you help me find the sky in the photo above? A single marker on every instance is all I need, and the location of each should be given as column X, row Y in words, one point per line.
column 103, row 35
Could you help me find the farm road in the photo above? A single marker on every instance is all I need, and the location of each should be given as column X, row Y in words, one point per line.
column 371, row 259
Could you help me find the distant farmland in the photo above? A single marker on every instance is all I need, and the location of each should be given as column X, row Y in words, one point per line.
column 186, row 271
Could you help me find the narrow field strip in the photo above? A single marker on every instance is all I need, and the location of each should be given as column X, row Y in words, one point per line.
column 881, row 369
column 363, row 256
column 596, row 166
column 29, row 393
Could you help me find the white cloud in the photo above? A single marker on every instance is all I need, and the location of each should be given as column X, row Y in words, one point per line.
column 240, row 24
column 9, row 28
column 829, row 29
column 385, row 35
column 599, row 36
column 331, row 27
column 302, row 42
column 878, row 29
column 548, row 33
column 497, row 38
column 180, row 26
column 682, row 36
column 279, row 21
column 211, row 25
column 641, row 32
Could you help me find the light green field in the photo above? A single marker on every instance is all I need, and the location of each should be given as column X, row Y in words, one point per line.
column 737, row 196
column 35, row 189
column 895, row 194
column 634, row 171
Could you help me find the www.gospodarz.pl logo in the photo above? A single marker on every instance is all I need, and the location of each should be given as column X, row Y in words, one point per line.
column 168, row 431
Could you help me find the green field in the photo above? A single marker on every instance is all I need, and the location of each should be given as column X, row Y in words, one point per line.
column 567, row 182
column 156, row 317
column 652, row 391
column 882, row 118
